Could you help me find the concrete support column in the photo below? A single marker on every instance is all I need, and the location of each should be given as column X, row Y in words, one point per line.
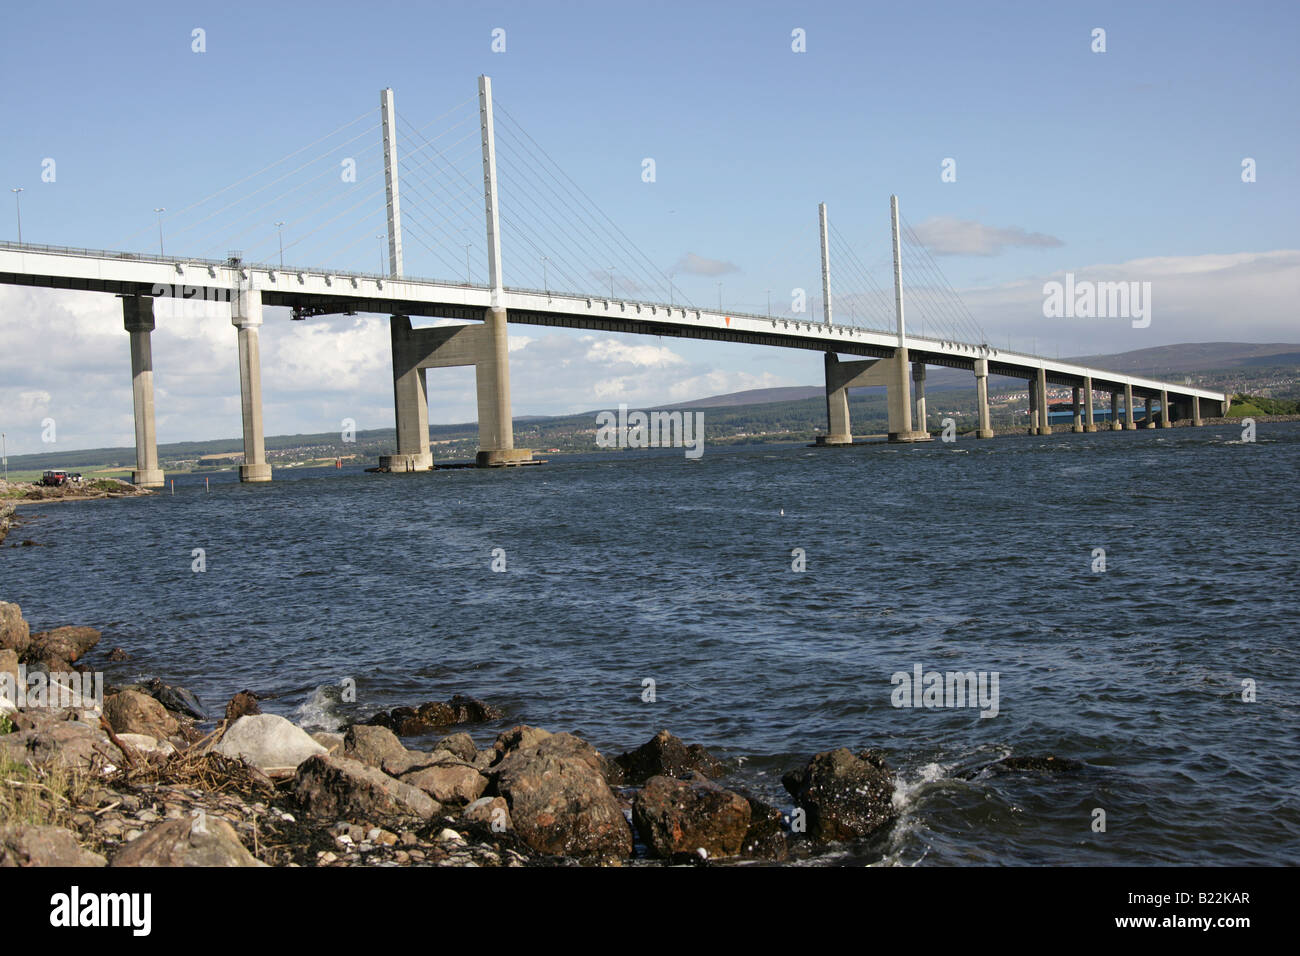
column 838, row 429
column 1196, row 410
column 1115, row 424
column 496, row 432
column 1148, row 416
column 1128, row 408
column 918, row 376
column 1165, row 421
column 410, row 402
column 985, row 430
column 246, row 316
column 1089, row 425
column 1044, row 411
column 1033, row 407
column 1077, row 426
column 137, row 316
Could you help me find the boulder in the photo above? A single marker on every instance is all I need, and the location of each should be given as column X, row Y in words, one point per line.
column 117, row 655
column 1034, row 765
column 766, row 837
column 268, row 742
column 559, row 801
column 693, row 817
column 845, row 796
column 412, row 721
column 462, row 745
column 176, row 699
column 131, row 712
column 26, row 844
column 44, row 739
column 521, row 735
column 202, row 840
column 400, row 764
column 493, row 812
column 332, row 787
column 449, row 783
column 62, row 644
column 243, row 704
column 371, row 744
column 665, row 755
column 15, row 635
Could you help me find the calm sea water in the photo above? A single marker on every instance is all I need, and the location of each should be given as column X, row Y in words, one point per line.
column 622, row 567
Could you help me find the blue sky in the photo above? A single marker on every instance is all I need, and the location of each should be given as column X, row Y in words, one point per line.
column 1119, row 157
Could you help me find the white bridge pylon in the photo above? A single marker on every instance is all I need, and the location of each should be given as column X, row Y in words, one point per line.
column 895, row 358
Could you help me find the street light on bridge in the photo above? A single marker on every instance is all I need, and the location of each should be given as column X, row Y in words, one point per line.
column 160, row 210
column 279, row 226
column 18, row 211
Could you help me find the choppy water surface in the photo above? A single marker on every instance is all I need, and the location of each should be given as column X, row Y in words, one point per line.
column 973, row 556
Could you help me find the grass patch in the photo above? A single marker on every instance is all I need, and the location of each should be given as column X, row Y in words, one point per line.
column 32, row 795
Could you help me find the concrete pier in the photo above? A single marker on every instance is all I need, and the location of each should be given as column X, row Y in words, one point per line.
column 496, row 430
column 1033, row 407
column 137, row 316
column 1077, row 426
column 1148, row 417
column 246, row 316
column 410, row 402
column 1044, row 411
column 1115, row 424
column 1196, row 409
column 1164, row 410
column 483, row 346
column 1128, row 408
column 985, row 429
column 918, row 377
column 1089, row 424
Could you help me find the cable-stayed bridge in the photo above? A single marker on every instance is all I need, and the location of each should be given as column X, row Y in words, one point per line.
column 553, row 233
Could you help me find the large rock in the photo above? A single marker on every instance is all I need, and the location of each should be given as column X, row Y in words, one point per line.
column 665, row 755
column 371, row 744
column 332, row 788
column 243, row 704
column 131, row 712
column 450, row 783
column 62, row 644
column 462, row 745
column 35, row 845
column 559, row 801
column 43, row 738
column 412, row 721
column 268, row 742
column 844, row 795
column 766, row 837
column 690, row 818
column 176, row 699
column 187, row 841
column 520, row 735
column 15, row 635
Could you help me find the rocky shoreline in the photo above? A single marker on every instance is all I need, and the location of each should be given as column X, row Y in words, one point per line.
column 139, row 779
column 138, row 775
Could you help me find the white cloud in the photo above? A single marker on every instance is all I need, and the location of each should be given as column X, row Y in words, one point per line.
column 946, row 236
column 700, row 266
